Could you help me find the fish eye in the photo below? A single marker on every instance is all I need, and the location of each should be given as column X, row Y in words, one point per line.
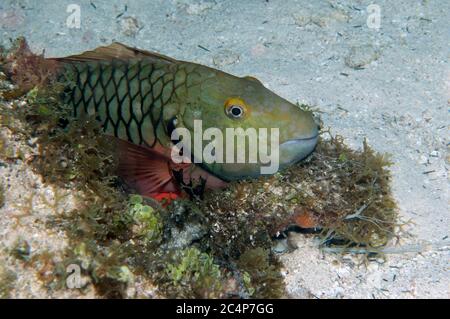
column 235, row 108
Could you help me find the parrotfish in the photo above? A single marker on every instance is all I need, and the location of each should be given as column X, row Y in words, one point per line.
column 140, row 97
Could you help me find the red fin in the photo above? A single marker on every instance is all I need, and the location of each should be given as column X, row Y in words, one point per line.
column 166, row 196
column 146, row 170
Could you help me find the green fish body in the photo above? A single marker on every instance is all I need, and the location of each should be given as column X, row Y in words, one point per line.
column 140, row 97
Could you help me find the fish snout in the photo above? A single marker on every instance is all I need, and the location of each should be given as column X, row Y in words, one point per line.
column 295, row 149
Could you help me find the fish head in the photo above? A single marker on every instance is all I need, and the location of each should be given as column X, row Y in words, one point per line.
column 227, row 104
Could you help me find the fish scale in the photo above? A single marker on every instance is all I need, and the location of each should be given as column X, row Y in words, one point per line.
column 127, row 97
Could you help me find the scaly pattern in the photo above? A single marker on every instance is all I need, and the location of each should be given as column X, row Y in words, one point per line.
column 127, row 97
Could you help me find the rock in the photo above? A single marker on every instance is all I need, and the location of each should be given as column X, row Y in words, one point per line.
column 225, row 57
column 281, row 246
column 10, row 19
column 182, row 238
column 302, row 19
column 359, row 56
column 434, row 154
column 196, row 7
column 258, row 50
column 326, row 18
column 130, row 26
column 423, row 160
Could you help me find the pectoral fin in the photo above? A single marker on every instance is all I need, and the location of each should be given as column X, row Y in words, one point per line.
column 146, row 170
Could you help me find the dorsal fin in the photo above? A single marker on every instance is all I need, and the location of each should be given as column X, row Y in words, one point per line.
column 114, row 51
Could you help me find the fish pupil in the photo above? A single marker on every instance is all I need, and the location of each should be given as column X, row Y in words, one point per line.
column 236, row 111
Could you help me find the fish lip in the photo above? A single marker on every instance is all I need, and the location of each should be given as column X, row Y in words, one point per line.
column 298, row 149
column 294, row 140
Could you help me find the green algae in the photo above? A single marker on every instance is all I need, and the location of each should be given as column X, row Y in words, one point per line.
column 219, row 246
column 261, row 274
column 345, row 192
column 194, row 273
column 148, row 223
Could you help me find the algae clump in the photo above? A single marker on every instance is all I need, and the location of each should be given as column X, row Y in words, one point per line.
column 196, row 271
column 262, row 277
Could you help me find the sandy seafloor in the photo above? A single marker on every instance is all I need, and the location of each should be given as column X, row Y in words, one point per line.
column 390, row 85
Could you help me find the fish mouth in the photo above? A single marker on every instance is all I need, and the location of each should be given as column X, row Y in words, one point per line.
column 293, row 151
